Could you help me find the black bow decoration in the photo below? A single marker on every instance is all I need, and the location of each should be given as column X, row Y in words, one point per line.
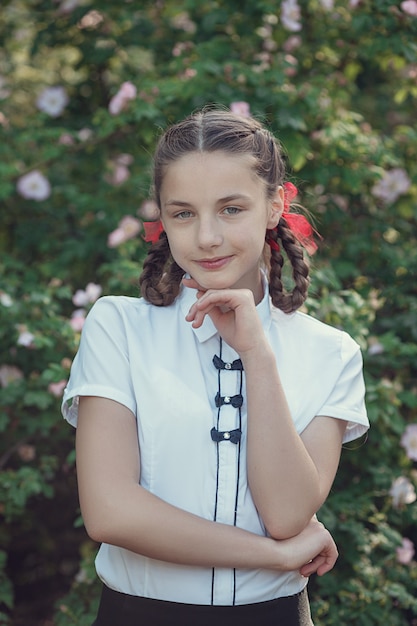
column 222, row 365
column 227, row 435
column 235, row 401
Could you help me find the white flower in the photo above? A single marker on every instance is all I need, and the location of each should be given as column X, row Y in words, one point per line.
column 409, row 441
column 375, row 348
column 290, row 15
column 5, row 299
column 89, row 295
column 25, row 339
column 402, row 492
column 85, row 134
column 393, row 184
column 52, row 101
column 8, row 374
column 34, row 186
column 67, row 6
column 327, row 4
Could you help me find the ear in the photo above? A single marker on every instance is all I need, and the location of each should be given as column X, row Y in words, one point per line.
column 276, row 208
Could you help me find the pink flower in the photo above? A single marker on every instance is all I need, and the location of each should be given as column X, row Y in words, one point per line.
column 402, row 492
column 120, row 172
column 405, row 552
column 92, row 19
column 77, row 320
column 240, row 108
column 291, row 15
column 292, row 43
column 34, row 186
column 83, row 297
column 66, row 140
column 291, row 70
column 8, row 374
column 409, row 441
column 149, row 210
column 56, row 389
column 52, row 101
column 120, row 101
column 128, row 228
column 393, row 184
column 409, row 7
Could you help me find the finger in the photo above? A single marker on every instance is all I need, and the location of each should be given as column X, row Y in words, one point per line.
column 312, row 567
column 320, row 565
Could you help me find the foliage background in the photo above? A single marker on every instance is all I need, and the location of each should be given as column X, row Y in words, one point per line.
column 338, row 85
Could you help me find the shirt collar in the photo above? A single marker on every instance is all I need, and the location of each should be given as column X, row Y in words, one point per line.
column 208, row 330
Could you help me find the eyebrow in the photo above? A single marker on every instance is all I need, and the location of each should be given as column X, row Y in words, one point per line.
column 230, row 198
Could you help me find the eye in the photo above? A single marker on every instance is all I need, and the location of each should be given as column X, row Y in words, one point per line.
column 232, row 210
column 183, row 215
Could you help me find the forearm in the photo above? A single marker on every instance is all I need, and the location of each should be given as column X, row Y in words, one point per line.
column 282, row 476
column 133, row 518
column 154, row 528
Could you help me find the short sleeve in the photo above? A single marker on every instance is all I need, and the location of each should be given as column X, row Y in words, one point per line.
column 101, row 366
column 347, row 398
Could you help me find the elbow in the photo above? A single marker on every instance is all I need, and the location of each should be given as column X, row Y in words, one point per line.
column 281, row 532
column 100, row 522
column 280, row 529
column 97, row 529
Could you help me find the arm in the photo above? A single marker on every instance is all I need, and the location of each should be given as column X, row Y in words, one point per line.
column 289, row 475
column 117, row 510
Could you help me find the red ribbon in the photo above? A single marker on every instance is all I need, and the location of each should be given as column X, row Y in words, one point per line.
column 298, row 224
column 152, row 231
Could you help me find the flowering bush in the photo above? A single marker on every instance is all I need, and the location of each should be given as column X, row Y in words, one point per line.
column 85, row 87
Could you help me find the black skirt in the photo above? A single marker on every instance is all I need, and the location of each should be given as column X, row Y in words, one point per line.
column 119, row 609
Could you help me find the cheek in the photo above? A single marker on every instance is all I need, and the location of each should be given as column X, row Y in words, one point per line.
column 177, row 247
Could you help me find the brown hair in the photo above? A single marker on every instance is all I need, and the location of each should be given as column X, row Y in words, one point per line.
column 207, row 131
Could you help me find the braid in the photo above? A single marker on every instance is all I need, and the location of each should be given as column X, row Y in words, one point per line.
column 288, row 302
column 161, row 276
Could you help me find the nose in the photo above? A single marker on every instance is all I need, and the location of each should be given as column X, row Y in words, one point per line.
column 209, row 233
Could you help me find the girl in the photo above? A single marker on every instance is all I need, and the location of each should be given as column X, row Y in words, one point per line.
column 210, row 412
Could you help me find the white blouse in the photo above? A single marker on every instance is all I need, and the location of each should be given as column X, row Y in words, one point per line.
column 192, row 425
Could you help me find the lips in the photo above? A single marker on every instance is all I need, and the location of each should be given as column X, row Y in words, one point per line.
column 213, row 264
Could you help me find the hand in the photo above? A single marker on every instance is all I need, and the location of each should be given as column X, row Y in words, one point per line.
column 312, row 551
column 233, row 313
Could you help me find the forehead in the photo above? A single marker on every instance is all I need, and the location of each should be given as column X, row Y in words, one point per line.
column 217, row 170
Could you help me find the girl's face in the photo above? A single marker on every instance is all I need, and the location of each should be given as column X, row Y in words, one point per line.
column 215, row 213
